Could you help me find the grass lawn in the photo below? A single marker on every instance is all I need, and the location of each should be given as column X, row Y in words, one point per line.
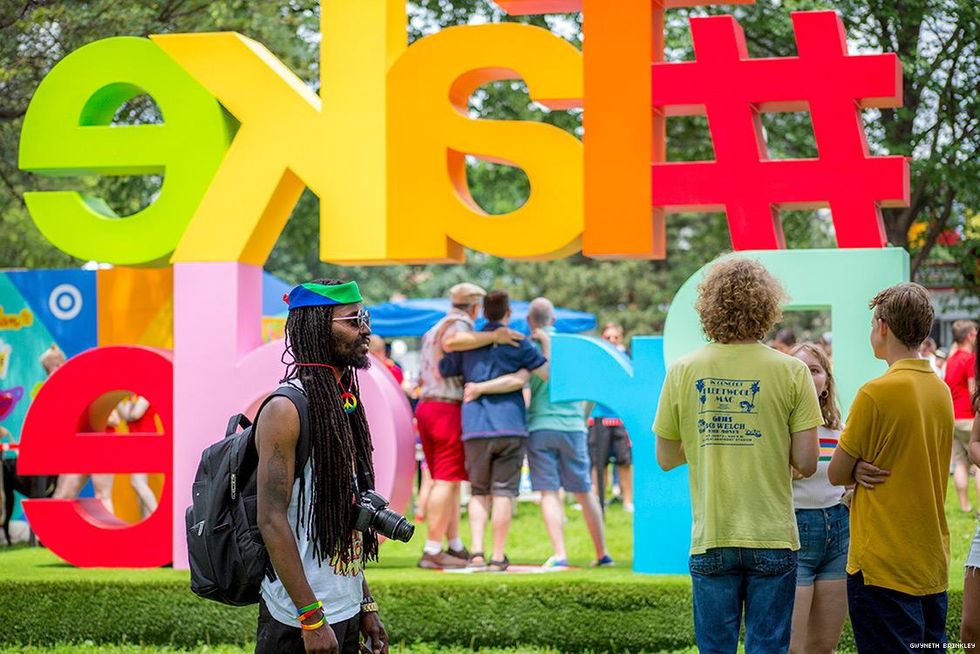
column 233, row 649
column 528, row 544
column 582, row 609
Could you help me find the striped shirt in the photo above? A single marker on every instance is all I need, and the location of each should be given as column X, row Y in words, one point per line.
column 816, row 492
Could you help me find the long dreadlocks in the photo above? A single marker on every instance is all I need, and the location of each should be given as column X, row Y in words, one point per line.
column 340, row 443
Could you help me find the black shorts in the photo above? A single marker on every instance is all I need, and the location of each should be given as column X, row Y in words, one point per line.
column 614, row 440
column 273, row 637
column 494, row 465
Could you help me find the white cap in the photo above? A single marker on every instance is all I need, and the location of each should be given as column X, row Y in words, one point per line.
column 466, row 293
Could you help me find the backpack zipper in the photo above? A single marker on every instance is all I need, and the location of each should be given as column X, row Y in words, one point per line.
column 234, row 484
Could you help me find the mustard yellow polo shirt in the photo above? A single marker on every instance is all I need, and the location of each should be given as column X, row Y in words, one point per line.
column 902, row 422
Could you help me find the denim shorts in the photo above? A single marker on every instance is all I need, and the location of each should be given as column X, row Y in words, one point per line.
column 824, row 538
column 559, row 459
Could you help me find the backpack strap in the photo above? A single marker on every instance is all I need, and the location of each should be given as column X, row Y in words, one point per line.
column 298, row 397
column 236, row 421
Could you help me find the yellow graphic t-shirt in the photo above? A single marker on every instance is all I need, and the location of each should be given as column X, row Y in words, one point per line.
column 734, row 408
column 902, row 422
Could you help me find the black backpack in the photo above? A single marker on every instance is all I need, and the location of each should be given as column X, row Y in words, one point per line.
column 227, row 556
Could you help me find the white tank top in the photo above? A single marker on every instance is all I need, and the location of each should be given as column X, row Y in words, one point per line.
column 337, row 584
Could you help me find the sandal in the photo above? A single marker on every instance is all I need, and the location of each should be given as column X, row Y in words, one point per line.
column 498, row 566
column 478, row 561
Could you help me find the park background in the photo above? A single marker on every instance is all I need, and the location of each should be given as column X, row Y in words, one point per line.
column 936, row 41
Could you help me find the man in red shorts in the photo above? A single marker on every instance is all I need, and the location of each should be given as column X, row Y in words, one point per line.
column 440, row 424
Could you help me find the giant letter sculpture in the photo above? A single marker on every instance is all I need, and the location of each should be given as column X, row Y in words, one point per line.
column 841, row 280
column 290, row 139
column 432, row 214
column 78, row 397
column 631, row 388
column 68, row 131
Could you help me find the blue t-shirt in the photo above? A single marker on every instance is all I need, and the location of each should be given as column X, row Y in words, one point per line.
column 493, row 415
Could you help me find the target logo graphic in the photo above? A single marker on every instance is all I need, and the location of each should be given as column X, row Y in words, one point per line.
column 65, row 302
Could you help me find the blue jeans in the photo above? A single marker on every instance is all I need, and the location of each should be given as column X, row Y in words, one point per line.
column 886, row 620
column 725, row 579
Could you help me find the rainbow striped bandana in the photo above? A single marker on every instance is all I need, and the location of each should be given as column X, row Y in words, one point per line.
column 320, row 295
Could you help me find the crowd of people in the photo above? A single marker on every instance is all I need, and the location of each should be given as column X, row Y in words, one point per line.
column 799, row 517
column 858, row 525
column 839, row 517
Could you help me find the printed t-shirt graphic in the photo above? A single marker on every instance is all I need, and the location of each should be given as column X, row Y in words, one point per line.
column 719, row 398
column 734, row 407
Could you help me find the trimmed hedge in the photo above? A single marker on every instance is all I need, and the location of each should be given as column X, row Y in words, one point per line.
column 575, row 615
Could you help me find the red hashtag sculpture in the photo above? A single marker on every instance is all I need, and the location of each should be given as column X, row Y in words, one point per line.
column 732, row 89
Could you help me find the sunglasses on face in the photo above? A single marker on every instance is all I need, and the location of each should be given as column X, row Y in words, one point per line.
column 363, row 318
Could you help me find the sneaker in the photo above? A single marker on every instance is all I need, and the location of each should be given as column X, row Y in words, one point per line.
column 459, row 554
column 552, row 563
column 628, row 507
column 441, row 561
column 605, row 562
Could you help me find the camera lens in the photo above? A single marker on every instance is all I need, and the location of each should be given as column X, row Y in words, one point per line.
column 393, row 525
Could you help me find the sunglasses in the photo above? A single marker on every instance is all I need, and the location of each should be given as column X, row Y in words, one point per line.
column 363, row 318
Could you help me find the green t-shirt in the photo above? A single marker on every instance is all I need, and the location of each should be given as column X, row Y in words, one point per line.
column 734, row 408
column 555, row 416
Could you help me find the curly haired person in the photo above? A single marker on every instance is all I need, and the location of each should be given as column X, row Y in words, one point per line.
column 901, row 423
column 740, row 414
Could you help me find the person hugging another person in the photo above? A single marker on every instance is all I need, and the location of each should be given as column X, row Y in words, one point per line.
column 822, row 521
column 439, row 418
column 494, row 426
column 558, row 452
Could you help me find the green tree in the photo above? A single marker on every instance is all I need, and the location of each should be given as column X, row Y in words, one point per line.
column 935, row 39
column 36, row 34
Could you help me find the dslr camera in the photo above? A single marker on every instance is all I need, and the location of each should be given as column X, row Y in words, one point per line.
column 373, row 512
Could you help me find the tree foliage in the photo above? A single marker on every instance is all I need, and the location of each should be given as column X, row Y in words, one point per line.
column 935, row 39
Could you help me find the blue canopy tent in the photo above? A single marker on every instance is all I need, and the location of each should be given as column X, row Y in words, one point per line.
column 273, row 289
column 415, row 317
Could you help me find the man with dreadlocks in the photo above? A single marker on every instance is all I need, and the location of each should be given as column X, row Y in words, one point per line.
column 306, row 520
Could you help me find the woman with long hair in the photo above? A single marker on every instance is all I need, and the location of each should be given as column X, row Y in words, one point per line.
column 822, row 520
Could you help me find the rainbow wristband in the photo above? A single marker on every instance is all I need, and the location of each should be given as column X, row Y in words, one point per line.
column 314, row 626
column 309, row 607
column 311, row 613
